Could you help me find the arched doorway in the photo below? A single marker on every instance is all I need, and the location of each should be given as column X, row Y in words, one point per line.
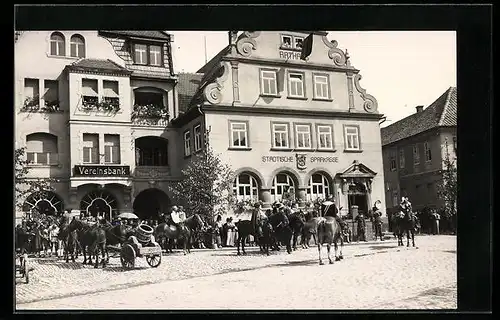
column 150, row 203
column 99, row 203
column 246, row 187
column 357, row 195
column 318, row 187
column 44, row 202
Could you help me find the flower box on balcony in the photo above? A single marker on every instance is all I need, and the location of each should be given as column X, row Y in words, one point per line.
column 31, row 104
column 150, row 114
column 108, row 104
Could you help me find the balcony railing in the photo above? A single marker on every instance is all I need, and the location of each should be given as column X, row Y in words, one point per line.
column 108, row 104
column 152, row 172
column 150, row 114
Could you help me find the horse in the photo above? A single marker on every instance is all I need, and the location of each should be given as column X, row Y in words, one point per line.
column 69, row 240
column 282, row 230
column 297, row 222
column 115, row 234
column 310, row 229
column 191, row 224
column 92, row 238
column 247, row 227
column 329, row 231
column 404, row 223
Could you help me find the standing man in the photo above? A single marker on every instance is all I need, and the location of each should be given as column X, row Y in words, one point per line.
column 377, row 219
column 360, row 219
column 435, row 217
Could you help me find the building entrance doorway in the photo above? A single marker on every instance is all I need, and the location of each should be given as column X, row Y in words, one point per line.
column 357, row 195
column 100, row 204
column 150, row 203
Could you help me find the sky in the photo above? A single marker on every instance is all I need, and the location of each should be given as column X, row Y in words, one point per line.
column 401, row 69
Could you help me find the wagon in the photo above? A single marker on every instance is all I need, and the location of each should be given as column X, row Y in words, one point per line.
column 22, row 267
column 142, row 244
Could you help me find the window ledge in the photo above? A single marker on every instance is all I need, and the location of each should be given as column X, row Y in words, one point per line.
column 290, row 49
column 63, row 57
column 43, row 165
column 239, row 149
column 304, row 149
column 296, row 98
column 323, row 99
column 265, row 95
column 281, row 149
column 326, row 150
column 352, row 151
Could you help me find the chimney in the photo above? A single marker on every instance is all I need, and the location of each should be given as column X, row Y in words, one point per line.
column 420, row 108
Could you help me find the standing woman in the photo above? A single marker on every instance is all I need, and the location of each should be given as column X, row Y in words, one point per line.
column 230, row 232
column 218, row 231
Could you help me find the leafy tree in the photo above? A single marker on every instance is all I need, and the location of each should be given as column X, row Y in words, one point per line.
column 23, row 185
column 448, row 187
column 206, row 187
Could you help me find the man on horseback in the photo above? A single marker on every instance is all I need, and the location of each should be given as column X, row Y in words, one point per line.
column 329, row 209
column 178, row 216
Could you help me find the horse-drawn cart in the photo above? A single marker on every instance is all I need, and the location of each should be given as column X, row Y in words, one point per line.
column 143, row 244
column 22, row 267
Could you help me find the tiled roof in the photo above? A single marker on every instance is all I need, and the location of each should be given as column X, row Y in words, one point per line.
column 99, row 64
column 187, row 86
column 442, row 112
column 141, row 34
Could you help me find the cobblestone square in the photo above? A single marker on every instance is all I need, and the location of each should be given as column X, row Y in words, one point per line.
column 373, row 275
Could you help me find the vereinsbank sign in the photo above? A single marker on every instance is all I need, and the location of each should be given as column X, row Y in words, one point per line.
column 101, row 171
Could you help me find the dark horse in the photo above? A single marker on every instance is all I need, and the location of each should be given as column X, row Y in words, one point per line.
column 297, row 222
column 192, row 224
column 329, row 232
column 69, row 240
column 115, row 235
column 92, row 238
column 404, row 222
column 309, row 229
column 247, row 227
column 282, row 230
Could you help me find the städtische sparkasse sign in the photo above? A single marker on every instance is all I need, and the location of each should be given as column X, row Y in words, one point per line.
column 101, row 171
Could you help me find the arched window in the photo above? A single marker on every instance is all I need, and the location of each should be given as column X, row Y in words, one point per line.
column 99, row 203
column 318, row 187
column 45, row 202
column 77, row 46
column 57, row 44
column 41, row 149
column 282, row 184
column 245, row 187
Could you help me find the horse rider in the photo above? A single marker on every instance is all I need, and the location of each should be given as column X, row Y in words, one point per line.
column 178, row 216
column 329, row 209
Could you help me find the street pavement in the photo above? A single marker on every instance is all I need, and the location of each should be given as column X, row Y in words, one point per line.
column 374, row 275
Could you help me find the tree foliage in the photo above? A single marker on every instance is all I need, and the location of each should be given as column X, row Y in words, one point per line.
column 448, row 187
column 206, row 187
column 23, row 185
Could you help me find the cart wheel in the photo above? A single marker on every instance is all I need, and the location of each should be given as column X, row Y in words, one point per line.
column 127, row 256
column 154, row 260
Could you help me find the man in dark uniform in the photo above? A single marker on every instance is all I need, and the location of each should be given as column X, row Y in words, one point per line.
column 360, row 219
column 377, row 221
column 329, row 209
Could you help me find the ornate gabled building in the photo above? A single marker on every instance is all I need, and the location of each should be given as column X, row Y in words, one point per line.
column 287, row 124
column 414, row 149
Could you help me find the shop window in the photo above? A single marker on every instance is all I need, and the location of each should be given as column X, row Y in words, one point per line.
column 282, row 186
column 318, row 187
column 245, row 187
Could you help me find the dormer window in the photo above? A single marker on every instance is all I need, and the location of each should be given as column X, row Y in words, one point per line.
column 291, row 42
column 148, row 54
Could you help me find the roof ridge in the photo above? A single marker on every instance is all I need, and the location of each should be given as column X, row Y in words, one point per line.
column 445, row 107
column 116, row 64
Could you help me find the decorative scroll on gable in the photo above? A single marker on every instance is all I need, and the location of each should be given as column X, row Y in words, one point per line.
column 370, row 104
column 213, row 91
column 337, row 55
column 246, row 43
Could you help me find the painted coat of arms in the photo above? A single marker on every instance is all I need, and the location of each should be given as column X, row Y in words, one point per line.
column 301, row 161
